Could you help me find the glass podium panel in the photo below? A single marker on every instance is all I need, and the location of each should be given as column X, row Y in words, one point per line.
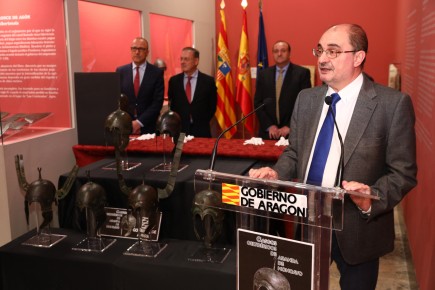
column 316, row 210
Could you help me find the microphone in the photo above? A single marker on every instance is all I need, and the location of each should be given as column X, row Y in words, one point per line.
column 267, row 101
column 340, row 168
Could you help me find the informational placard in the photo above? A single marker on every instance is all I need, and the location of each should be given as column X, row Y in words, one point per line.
column 33, row 60
column 269, row 260
column 121, row 223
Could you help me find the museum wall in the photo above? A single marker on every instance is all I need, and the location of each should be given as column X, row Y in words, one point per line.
column 302, row 23
column 400, row 32
column 53, row 151
column 416, row 45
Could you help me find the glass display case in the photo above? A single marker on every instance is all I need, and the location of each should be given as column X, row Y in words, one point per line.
column 34, row 85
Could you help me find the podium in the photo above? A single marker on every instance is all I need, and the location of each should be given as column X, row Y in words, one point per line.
column 316, row 211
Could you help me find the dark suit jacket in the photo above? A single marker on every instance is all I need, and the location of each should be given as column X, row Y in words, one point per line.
column 379, row 150
column 296, row 79
column 149, row 101
column 195, row 116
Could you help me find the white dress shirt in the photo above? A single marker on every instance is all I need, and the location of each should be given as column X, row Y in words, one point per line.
column 344, row 111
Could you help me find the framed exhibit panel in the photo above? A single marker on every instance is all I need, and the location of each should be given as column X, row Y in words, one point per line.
column 168, row 36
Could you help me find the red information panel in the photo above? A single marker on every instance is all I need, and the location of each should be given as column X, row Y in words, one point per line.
column 106, row 33
column 168, row 37
column 33, row 64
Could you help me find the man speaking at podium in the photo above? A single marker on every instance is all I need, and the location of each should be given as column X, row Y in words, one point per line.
column 377, row 126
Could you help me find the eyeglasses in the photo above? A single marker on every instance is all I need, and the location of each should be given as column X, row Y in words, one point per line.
column 140, row 49
column 331, row 53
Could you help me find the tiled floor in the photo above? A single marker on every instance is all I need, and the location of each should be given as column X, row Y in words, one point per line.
column 396, row 269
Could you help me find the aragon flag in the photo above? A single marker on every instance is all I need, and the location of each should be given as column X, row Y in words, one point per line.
column 225, row 113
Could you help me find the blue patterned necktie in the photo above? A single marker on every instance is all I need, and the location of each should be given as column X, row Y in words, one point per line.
column 323, row 144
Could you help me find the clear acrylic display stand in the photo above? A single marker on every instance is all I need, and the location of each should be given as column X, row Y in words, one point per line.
column 321, row 213
column 125, row 164
column 209, row 255
column 43, row 238
column 166, row 166
column 144, row 247
column 93, row 243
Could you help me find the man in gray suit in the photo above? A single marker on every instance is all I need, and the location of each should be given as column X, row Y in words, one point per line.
column 377, row 126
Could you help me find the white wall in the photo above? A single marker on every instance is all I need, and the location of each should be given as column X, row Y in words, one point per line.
column 53, row 154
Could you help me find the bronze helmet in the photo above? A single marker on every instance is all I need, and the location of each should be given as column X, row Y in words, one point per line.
column 119, row 126
column 42, row 191
column 93, row 197
column 207, row 217
column 270, row 279
column 169, row 123
column 160, row 63
column 144, row 196
column 144, row 201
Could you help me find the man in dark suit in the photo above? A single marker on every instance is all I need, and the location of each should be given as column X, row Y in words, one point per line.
column 282, row 83
column 143, row 84
column 193, row 95
column 377, row 126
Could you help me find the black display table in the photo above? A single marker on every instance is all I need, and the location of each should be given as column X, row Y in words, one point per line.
column 59, row 267
column 177, row 218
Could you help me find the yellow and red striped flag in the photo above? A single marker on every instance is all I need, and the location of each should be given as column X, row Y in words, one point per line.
column 225, row 113
column 230, row 194
column 243, row 82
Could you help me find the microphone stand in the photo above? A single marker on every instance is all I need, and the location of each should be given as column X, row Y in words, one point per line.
column 213, row 154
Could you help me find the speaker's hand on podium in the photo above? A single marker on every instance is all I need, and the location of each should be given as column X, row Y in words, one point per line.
column 263, row 172
column 364, row 204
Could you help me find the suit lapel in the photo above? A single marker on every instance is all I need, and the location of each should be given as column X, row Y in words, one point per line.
column 197, row 88
column 364, row 109
column 146, row 75
column 180, row 84
column 286, row 82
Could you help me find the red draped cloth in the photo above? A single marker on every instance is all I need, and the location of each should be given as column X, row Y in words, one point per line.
column 86, row 154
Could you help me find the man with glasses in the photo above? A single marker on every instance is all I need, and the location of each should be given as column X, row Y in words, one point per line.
column 282, row 83
column 377, row 126
column 143, row 84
